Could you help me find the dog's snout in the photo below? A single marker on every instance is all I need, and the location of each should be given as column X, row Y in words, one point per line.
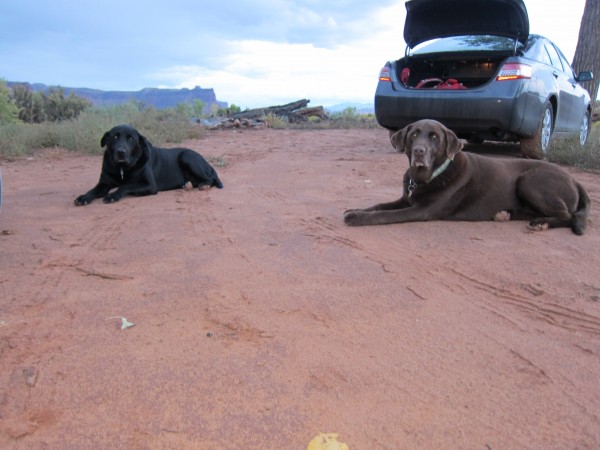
column 419, row 151
column 120, row 154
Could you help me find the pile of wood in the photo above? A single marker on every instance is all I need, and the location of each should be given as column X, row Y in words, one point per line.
column 295, row 112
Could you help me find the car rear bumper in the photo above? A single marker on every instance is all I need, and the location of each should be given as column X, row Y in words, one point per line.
column 497, row 108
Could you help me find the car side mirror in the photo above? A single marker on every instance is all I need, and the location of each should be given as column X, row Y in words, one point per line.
column 585, row 76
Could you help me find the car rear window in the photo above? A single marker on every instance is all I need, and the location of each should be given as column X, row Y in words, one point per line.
column 465, row 44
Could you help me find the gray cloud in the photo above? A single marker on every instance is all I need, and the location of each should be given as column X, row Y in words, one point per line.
column 132, row 44
column 115, row 44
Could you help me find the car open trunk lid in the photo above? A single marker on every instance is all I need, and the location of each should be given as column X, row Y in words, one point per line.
column 431, row 19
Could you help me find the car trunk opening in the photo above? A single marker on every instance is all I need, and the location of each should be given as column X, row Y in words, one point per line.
column 448, row 73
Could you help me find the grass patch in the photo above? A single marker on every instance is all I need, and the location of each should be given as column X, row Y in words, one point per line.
column 277, row 122
column 351, row 118
column 82, row 135
column 363, row 121
column 569, row 152
column 347, row 119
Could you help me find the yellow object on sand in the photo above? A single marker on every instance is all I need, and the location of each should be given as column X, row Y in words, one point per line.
column 326, row 441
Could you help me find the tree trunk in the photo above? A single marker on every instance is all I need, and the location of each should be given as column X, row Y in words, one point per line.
column 587, row 53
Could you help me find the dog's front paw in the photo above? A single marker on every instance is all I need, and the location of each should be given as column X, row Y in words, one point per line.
column 112, row 198
column 354, row 217
column 82, row 200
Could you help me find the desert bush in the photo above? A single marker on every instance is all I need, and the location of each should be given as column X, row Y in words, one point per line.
column 277, row 122
column 569, row 152
column 52, row 106
column 346, row 119
column 58, row 107
column 84, row 133
column 351, row 118
column 9, row 112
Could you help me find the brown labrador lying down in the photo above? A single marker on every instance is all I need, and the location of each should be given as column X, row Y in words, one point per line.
column 443, row 183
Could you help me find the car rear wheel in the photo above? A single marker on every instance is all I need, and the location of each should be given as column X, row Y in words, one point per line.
column 474, row 139
column 584, row 130
column 536, row 147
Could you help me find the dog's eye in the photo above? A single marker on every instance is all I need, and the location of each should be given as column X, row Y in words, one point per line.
column 433, row 137
column 130, row 138
column 115, row 137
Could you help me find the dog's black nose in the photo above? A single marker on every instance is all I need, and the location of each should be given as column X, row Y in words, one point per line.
column 418, row 151
column 120, row 155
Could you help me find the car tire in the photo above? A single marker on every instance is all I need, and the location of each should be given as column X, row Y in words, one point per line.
column 584, row 129
column 474, row 139
column 536, row 147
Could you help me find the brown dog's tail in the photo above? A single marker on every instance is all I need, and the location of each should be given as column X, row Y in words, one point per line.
column 580, row 217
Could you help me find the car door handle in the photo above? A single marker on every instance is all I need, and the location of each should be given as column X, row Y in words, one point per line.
column 555, row 74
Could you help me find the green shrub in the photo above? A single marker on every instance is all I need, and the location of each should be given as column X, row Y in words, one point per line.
column 9, row 112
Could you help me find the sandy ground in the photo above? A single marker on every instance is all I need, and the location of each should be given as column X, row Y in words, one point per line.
column 261, row 320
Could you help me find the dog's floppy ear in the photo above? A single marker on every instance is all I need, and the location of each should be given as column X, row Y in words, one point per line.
column 398, row 139
column 104, row 139
column 145, row 143
column 453, row 144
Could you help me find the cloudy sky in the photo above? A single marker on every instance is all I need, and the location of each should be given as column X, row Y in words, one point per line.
column 253, row 53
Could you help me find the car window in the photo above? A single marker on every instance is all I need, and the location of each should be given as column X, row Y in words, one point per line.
column 554, row 58
column 465, row 44
column 566, row 65
column 542, row 56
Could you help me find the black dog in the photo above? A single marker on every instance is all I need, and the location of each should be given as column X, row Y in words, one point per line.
column 134, row 167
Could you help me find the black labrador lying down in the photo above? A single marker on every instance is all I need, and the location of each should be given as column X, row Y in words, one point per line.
column 443, row 183
column 132, row 166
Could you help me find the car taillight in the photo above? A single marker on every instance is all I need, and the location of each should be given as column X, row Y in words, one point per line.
column 514, row 71
column 384, row 74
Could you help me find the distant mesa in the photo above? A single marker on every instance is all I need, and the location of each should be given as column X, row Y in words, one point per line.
column 361, row 108
column 158, row 98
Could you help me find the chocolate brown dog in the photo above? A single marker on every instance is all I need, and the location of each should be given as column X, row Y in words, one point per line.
column 444, row 183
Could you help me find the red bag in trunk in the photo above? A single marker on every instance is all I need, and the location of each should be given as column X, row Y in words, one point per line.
column 437, row 83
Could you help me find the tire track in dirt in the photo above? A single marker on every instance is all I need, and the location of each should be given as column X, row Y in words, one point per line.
column 324, row 232
column 229, row 325
column 85, row 247
column 525, row 298
column 269, row 195
column 104, row 230
column 551, row 313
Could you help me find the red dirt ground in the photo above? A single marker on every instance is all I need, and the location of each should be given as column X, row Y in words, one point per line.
column 261, row 320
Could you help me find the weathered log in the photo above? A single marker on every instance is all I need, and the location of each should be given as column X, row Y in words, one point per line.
column 229, row 123
column 317, row 111
column 281, row 110
column 255, row 118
